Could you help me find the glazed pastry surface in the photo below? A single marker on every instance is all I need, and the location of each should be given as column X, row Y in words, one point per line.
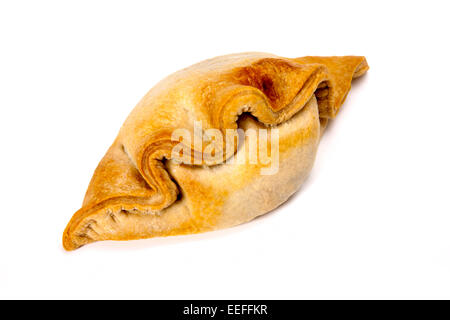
column 140, row 191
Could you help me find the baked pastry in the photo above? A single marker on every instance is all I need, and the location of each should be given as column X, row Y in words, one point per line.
column 139, row 190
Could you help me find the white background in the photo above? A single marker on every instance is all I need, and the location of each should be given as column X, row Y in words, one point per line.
column 372, row 221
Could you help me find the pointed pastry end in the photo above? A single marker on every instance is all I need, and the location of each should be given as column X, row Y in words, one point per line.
column 72, row 242
column 68, row 243
column 361, row 69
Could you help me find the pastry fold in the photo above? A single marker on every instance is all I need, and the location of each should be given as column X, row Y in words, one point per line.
column 138, row 191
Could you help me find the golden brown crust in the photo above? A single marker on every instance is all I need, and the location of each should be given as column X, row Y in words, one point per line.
column 133, row 183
